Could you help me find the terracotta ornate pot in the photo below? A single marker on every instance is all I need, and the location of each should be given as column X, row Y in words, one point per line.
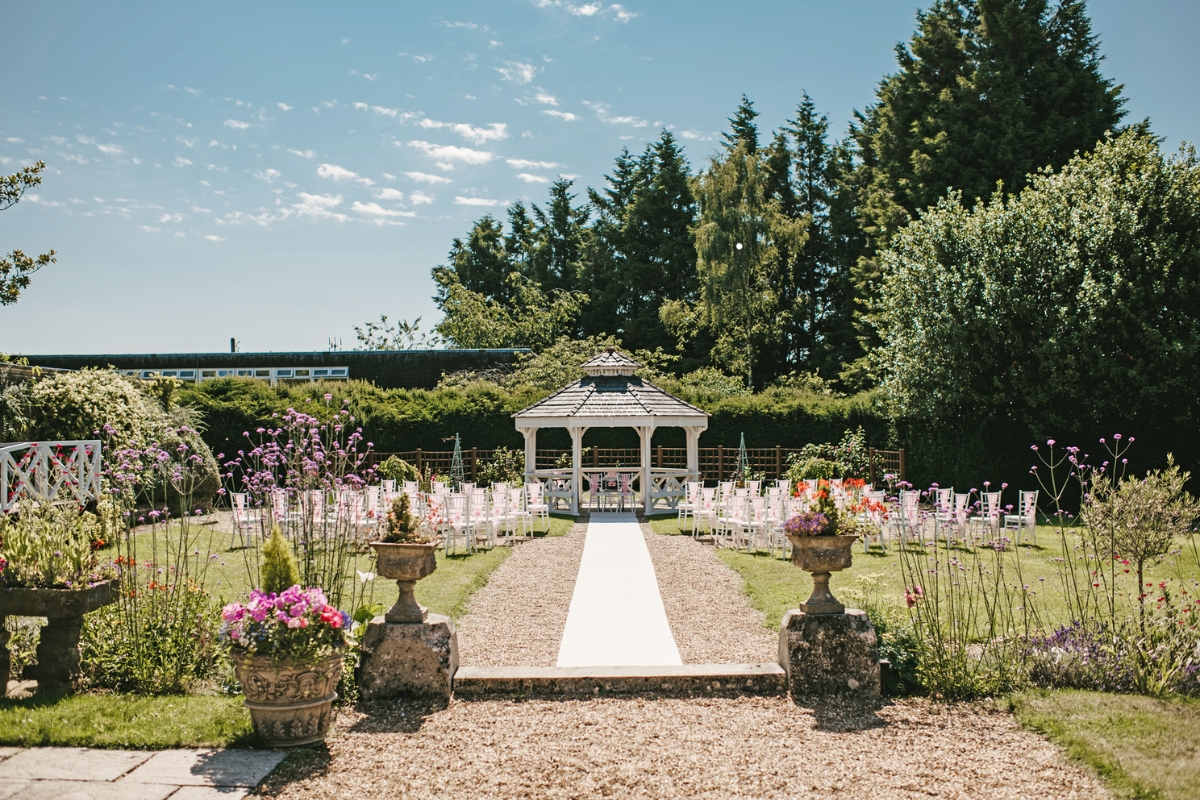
column 290, row 704
column 405, row 564
column 58, row 648
column 822, row 555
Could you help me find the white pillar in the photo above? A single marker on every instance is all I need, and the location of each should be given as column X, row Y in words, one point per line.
column 530, row 450
column 576, row 457
column 692, row 435
column 646, row 434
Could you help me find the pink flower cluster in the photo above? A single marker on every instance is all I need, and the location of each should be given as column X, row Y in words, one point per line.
column 252, row 622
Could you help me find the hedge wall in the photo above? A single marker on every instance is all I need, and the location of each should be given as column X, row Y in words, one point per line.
column 946, row 453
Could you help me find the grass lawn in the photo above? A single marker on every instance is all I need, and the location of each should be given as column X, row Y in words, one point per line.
column 1142, row 747
column 774, row 585
column 125, row 721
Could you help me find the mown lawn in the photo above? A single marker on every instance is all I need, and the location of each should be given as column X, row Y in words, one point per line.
column 125, row 721
column 774, row 585
column 1143, row 747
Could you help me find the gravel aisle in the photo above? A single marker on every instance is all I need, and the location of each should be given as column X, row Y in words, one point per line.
column 759, row 747
column 711, row 617
column 518, row 618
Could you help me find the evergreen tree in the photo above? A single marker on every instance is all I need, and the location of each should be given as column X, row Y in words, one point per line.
column 988, row 92
column 742, row 128
column 480, row 263
column 559, row 239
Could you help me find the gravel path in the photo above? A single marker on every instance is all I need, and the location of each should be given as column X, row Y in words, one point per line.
column 518, row 618
column 760, row 747
column 710, row 615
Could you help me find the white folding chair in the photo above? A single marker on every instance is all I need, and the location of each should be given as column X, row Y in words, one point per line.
column 536, row 505
column 989, row 515
column 244, row 518
column 1026, row 517
column 687, row 507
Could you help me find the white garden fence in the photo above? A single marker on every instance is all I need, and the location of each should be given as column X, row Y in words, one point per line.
column 49, row 471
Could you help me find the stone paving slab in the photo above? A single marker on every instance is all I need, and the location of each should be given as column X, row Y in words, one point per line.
column 7, row 790
column 213, row 768
column 7, row 752
column 210, row 793
column 91, row 790
column 70, row 764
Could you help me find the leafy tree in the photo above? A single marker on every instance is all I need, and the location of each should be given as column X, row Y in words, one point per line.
column 559, row 239
column 987, row 93
column 1071, row 304
column 533, row 319
column 738, row 238
column 16, row 267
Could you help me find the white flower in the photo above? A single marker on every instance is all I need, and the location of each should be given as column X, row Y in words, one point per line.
column 363, row 577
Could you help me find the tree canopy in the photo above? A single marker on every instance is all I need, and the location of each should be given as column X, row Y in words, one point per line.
column 16, row 267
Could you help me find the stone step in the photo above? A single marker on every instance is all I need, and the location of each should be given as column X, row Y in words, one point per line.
column 486, row 683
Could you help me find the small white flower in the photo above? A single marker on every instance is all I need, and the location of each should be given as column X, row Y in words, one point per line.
column 363, row 577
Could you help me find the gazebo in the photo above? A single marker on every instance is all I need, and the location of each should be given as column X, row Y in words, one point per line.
column 611, row 396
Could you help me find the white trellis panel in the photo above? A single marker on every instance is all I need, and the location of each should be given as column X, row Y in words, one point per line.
column 48, row 471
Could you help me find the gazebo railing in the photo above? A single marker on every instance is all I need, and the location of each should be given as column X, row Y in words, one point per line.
column 558, row 487
column 49, row 470
column 669, row 486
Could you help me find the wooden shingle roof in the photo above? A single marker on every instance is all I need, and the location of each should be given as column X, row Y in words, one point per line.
column 610, row 396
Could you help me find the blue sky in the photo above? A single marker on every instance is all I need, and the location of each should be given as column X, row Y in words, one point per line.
column 282, row 172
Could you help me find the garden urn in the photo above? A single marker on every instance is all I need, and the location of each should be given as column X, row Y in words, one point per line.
column 58, row 648
column 822, row 555
column 290, row 704
column 405, row 563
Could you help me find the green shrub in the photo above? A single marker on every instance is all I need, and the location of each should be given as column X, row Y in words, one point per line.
column 506, row 466
column 279, row 571
column 398, row 470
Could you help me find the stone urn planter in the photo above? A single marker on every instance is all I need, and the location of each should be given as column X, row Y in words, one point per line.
column 822, row 555
column 58, row 649
column 290, row 704
column 405, row 564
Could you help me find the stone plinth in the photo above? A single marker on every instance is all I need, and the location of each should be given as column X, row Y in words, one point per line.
column 408, row 659
column 825, row 654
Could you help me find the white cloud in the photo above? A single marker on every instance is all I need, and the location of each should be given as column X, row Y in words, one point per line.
column 475, row 201
column 85, row 139
column 602, row 111
column 186, row 141
column 517, row 72
column 15, row 140
column 171, row 218
column 449, row 153
column 545, row 98
column 565, row 116
column 615, row 11
column 365, row 75
column 522, row 163
column 179, row 161
column 374, row 209
column 525, row 176
column 389, row 194
column 111, row 149
column 496, row 130
column 698, row 135
column 302, row 153
column 213, row 238
column 284, row 107
column 587, row 10
column 342, row 174
column 236, row 124
column 335, row 172
column 420, row 198
column 388, row 175
column 268, row 175
column 425, row 177
column 318, row 206
column 620, row 14
column 215, row 168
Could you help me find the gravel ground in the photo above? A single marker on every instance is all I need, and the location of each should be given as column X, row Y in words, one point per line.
column 758, row 747
column 518, row 618
column 711, row 618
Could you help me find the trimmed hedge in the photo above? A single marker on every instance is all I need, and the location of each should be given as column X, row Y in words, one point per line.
column 949, row 454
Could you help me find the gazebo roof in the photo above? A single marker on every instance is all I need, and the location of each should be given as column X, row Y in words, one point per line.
column 610, row 362
column 608, row 400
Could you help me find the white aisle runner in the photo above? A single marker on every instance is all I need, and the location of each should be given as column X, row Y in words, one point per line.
column 617, row 616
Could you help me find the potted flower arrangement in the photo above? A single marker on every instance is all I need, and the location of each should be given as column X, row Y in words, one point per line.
column 821, row 541
column 49, row 568
column 405, row 553
column 287, row 644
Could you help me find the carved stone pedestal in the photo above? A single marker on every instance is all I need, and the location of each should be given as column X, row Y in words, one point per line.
column 825, row 654
column 408, row 659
